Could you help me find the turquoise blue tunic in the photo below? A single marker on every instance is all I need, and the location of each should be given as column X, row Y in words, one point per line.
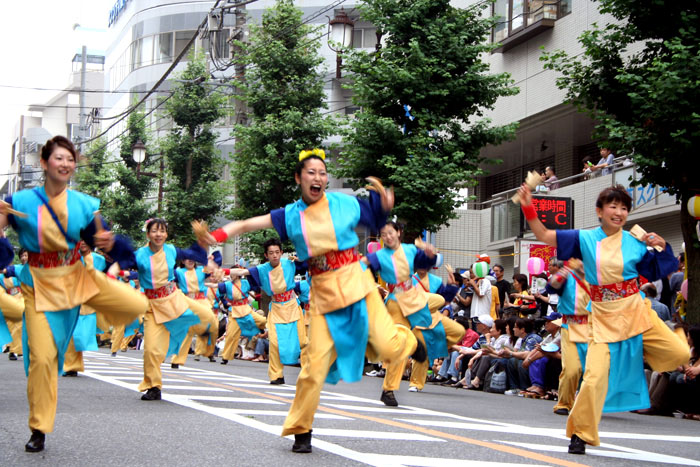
column 5, row 335
column 178, row 327
column 436, row 338
column 627, row 387
column 348, row 326
column 383, row 262
column 85, row 333
column 287, row 333
column 245, row 323
column 80, row 225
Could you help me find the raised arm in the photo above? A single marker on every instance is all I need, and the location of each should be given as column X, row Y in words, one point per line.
column 541, row 232
column 238, row 227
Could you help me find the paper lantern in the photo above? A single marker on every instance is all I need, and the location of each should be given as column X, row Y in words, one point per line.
column 694, row 207
column 373, row 247
column 684, row 290
column 481, row 269
column 439, row 260
column 535, row 266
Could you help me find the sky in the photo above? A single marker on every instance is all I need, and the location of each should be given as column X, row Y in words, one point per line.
column 39, row 43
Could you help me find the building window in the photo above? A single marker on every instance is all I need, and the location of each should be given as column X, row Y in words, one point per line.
column 514, row 16
column 181, row 40
column 364, row 38
column 163, row 48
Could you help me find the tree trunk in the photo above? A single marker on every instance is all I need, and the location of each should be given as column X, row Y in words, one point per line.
column 692, row 254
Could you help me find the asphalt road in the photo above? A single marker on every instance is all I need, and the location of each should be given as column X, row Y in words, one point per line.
column 229, row 415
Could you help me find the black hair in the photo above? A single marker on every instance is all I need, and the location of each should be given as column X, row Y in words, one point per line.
column 156, row 222
column 58, row 141
column 22, row 251
column 511, row 323
column 551, row 167
column 500, row 325
column 463, row 320
column 527, row 324
column 302, row 163
column 522, row 278
column 274, row 241
column 498, row 265
column 650, row 290
column 616, row 193
column 681, row 257
column 398, row 227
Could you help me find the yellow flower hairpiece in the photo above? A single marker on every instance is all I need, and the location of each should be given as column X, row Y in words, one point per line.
column 312, row 152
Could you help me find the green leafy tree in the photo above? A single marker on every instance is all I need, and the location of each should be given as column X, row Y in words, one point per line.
column 95, row 175
column 423, row 95
column 638, row 79
column 128, row 207
column 194, row 189
column 283, row 89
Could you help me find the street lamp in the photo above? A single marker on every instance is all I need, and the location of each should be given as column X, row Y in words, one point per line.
column 138, row 153
column 340, row 32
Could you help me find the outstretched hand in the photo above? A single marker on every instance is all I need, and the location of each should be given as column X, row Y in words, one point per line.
column 385, row 194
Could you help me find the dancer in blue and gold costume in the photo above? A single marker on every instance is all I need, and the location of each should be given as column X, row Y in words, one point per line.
column 192, row 281
column 286, row 330
column 625, row 329
column 407, row 304
column 50, row 220
column 443, row 332
column 348, row 316
column 242, row 320
column 12, row 305
column 170, row 313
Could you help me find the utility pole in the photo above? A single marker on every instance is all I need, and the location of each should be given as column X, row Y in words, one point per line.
column 83, row 113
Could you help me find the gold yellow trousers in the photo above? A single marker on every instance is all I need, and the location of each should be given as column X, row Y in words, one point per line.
column 570, row 372
column 664, row 350
column 117, row 337
column 201, row 330
column 156, row 339
column 119, row 302
column 233, row 334
column 72, row 359
column 454, row 332
column 15, row 328
column 390, row 342
column 275, row 369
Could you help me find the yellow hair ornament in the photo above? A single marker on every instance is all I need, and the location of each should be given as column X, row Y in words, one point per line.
column 312, row 152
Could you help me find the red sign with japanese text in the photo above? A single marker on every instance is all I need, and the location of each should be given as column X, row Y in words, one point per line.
column 554, row 212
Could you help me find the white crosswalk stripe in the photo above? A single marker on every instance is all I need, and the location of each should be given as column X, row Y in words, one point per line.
column 256, row 404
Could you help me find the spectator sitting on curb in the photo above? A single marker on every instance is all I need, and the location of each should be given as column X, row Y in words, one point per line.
column 483, row 324
column 517, row 377
column 545, row 356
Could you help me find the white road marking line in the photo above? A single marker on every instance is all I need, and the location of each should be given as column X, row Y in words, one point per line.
column 444, row 462
column 193, row 388
column 197, row 397
column 367, row 434
column 635, row 456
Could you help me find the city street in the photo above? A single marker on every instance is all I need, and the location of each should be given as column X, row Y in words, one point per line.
column 213, row 414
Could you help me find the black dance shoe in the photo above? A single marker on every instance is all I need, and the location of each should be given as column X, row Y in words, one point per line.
column 174, row 366
column 153, row 394
column 577, row 445
column 389, row 399
column 70, row 373
column 12, row 356
column 278, row 381
column 302, row 443
column 36, row 442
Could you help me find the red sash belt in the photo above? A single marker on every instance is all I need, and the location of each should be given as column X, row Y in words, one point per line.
column 401, row 286
column 612, row 292
column 332, row 260
column 574, row 319
column 197, row 295
column 307, row 306
column 161, row 292
column 283, row 297
column 239, row 302
column 54, row 259
column 14, row 290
